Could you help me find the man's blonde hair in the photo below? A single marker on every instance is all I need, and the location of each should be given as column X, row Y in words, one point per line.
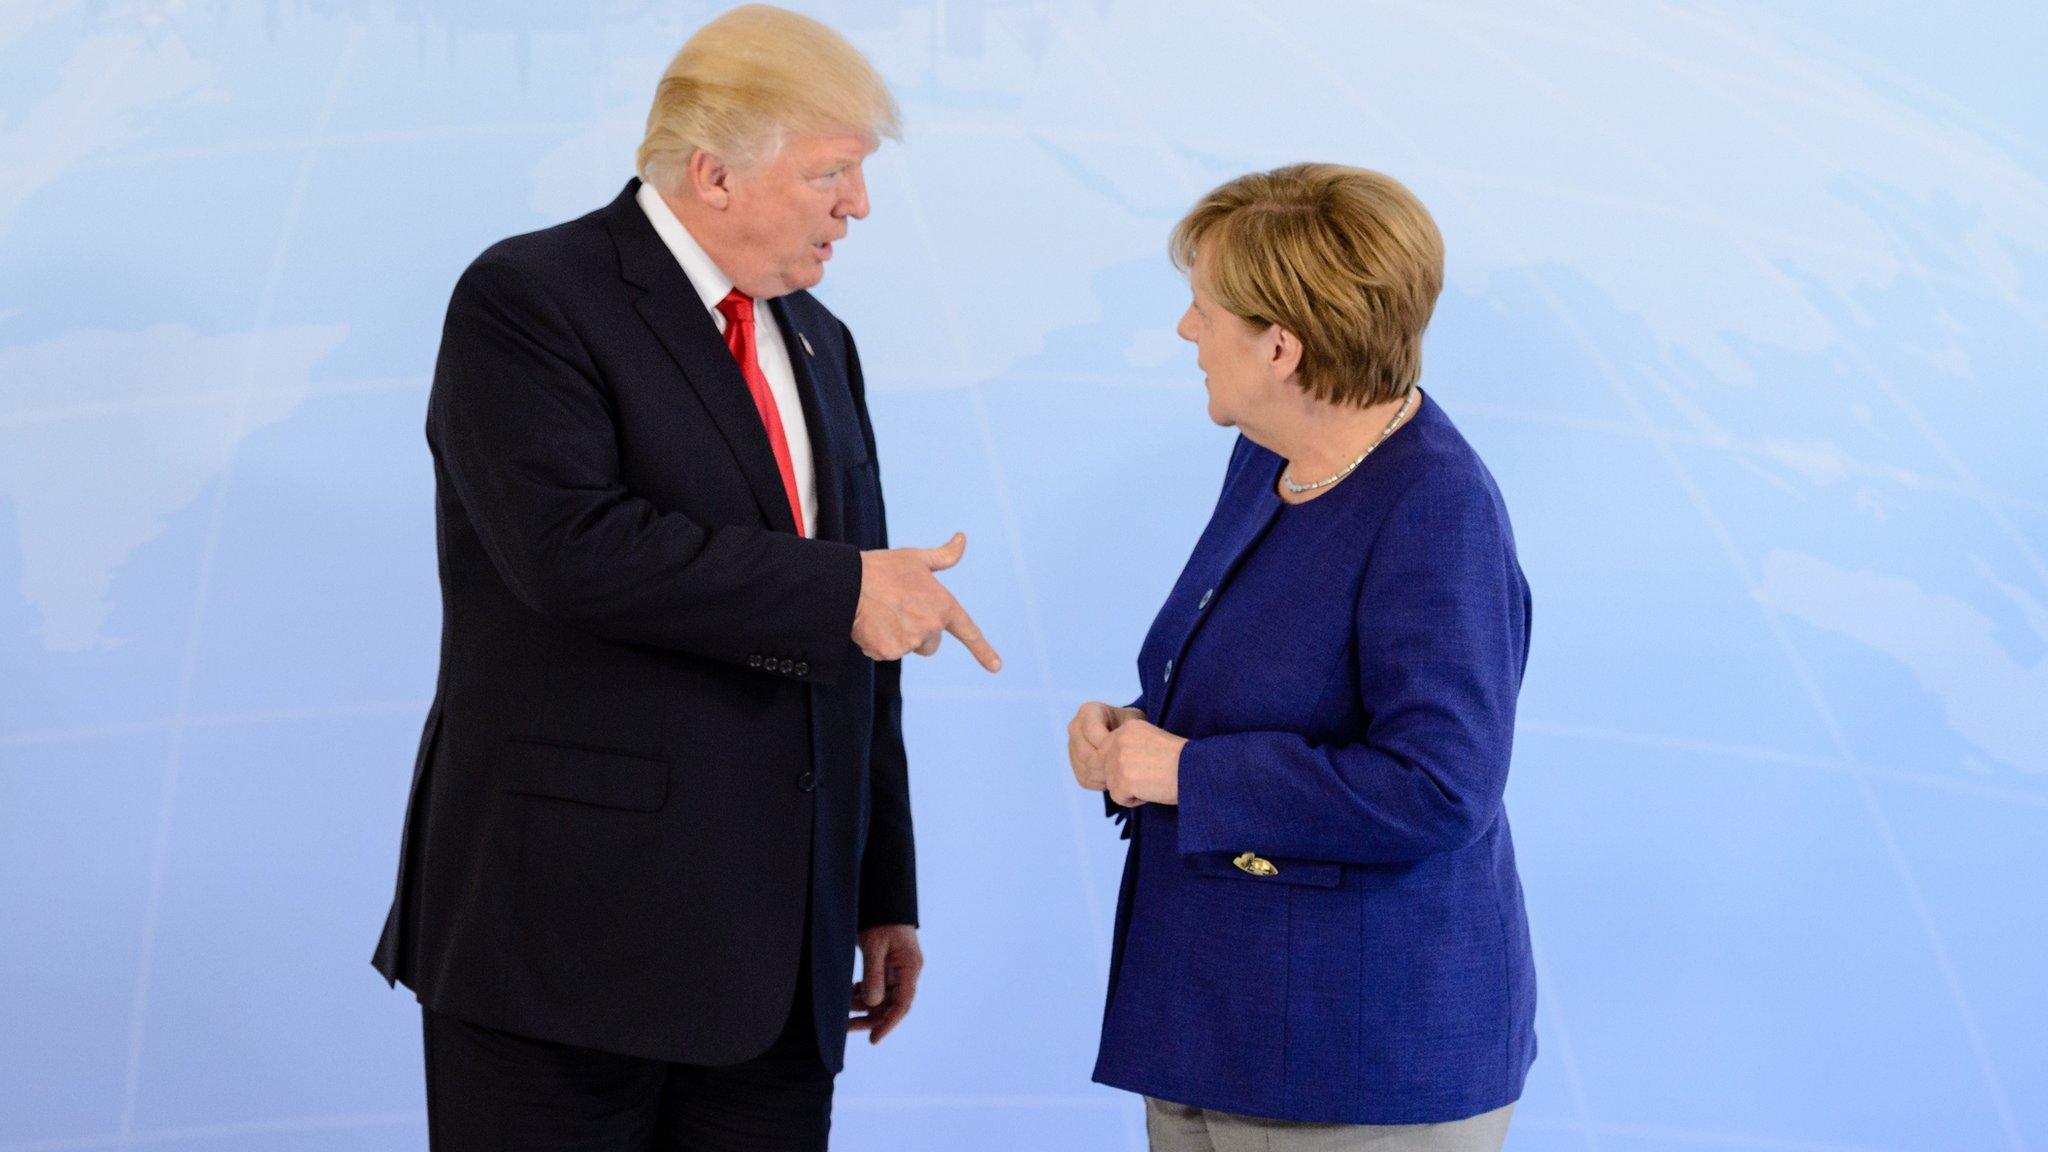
column 1346, row 259
column 747, row 79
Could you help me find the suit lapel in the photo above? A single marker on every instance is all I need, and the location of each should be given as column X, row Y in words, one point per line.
column 827, row 413
column 669, row 304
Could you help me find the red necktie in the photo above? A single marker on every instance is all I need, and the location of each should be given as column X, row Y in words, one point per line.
column 738, row 308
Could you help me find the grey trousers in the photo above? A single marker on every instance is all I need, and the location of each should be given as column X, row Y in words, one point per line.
column 1179, row 1128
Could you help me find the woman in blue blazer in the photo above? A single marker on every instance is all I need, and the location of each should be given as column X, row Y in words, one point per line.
column 1320, row 923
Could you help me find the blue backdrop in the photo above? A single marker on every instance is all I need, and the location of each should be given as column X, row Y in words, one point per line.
column 1745, row 310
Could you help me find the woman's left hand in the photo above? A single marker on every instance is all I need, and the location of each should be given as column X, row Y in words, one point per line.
column 1141, row 764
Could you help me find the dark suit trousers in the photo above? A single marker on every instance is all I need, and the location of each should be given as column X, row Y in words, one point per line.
column 492, row 1091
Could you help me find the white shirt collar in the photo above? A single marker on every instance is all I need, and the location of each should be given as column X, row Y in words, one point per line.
column 705, row 276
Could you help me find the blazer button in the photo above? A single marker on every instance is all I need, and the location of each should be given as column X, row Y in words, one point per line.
column 1206, row 597
column 788, row 666
column 803, row 669
column 808, row 782
column 1168, row 678
column 1255, row 864
column 753, row 661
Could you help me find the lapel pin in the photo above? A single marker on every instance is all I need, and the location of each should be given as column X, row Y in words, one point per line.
column 806, row 341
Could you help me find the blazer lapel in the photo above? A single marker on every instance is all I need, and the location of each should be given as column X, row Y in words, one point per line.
column 1246, row 510
column 1254, row 503
column 671, row 307
column 828, row 413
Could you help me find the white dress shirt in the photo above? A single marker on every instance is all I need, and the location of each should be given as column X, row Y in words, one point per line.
column 712, row 284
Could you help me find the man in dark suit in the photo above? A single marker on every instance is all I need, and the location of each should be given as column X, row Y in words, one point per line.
column 661, row 796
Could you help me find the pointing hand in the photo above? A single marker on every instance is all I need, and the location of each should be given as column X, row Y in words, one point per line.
column 903, row 608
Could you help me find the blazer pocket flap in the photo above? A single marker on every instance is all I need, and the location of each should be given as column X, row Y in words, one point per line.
column 1267, row 869
column 600, row 776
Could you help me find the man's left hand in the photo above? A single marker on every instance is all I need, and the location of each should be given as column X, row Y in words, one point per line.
column 1141, row 764
column 890, row 961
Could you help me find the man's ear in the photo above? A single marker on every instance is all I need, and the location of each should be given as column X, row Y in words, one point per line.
column 709, row 178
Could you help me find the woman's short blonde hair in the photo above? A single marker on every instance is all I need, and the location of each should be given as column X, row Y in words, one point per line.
column 749, row 78
column 1346, row 259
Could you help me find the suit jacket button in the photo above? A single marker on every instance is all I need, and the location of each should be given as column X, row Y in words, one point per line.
column 1255, row 864
column 808, row 782
column 803, row 669
column 753, row 661
column 788, row 666
column 1206, row 597
column 1168, row 678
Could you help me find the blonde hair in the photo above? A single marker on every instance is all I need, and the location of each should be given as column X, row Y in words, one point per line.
column 747, row 79
column 1346, row 259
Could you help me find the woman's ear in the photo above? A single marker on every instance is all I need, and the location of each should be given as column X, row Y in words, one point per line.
column 1285, row 356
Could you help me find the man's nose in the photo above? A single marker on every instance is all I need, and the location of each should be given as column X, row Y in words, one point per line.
column 855, row 202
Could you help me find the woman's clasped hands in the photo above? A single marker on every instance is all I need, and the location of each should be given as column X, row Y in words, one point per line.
column 1118, row 751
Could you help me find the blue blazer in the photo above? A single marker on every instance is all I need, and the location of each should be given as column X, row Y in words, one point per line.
column 1329, row 927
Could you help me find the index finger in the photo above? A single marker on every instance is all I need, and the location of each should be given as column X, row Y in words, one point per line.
column 960, row 624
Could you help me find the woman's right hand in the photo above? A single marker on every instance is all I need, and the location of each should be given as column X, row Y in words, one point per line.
column 1086, row 733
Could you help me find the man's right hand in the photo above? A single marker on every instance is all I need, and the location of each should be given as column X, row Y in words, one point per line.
column 903, row 608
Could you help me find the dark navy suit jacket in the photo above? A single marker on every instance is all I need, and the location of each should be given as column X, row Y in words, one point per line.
column 1345, row 671
column 654, row 747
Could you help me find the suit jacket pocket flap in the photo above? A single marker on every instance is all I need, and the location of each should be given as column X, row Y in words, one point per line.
column 598, row 776
column 1286, row 869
